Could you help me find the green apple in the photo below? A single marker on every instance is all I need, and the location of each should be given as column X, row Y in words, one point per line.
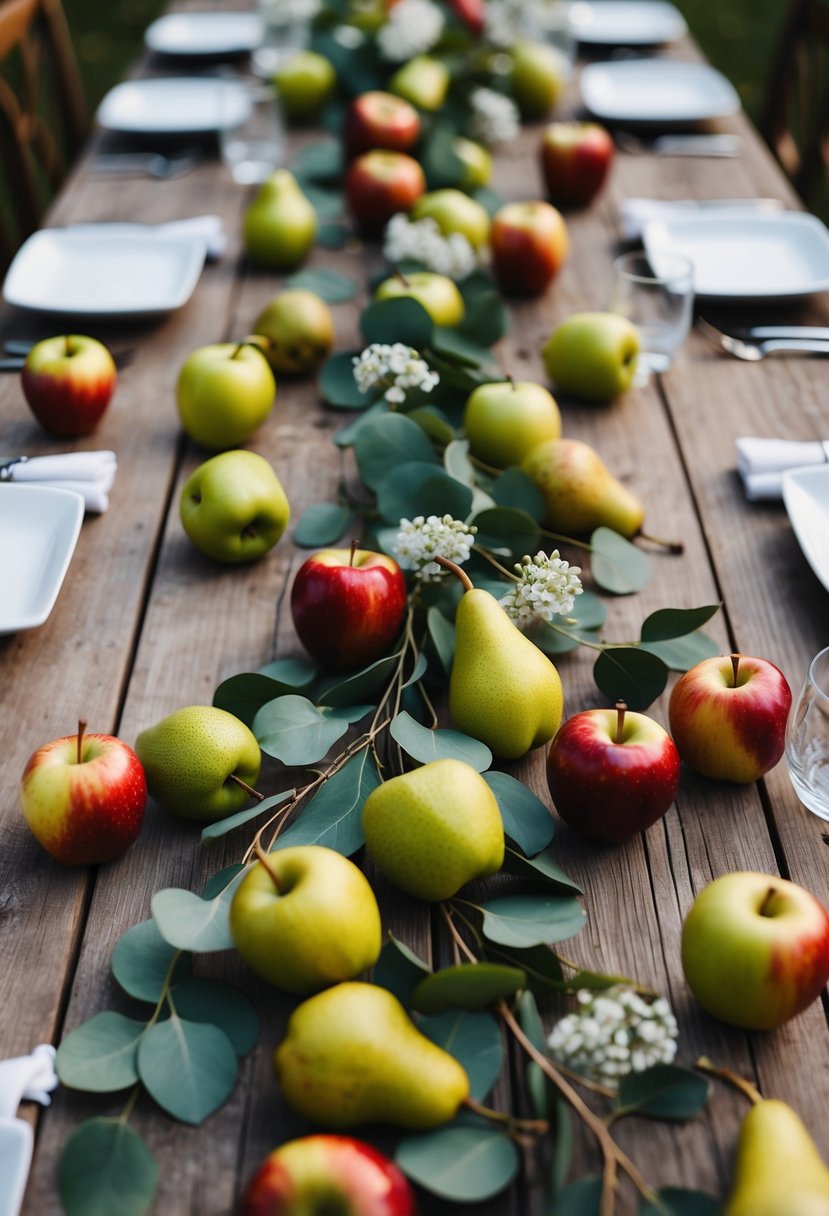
column 233, row 507
column 280, row 224
column 224, row 392
column 438, row 294
column 505, row 420
column 192, row 759
column 454, row 211
column 592, row 355
column 477, row 163
column 304, row 84
column 423, row 81
column 299, row 332
column 539, row 74
column 307, row 920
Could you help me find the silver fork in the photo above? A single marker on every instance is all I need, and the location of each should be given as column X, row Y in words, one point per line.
column 154, row 164
column 752, row 352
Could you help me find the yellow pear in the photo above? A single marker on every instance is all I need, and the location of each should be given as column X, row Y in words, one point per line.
column 579, row 491
column 433, row 830
column 778, row 1171
column 352, row 1055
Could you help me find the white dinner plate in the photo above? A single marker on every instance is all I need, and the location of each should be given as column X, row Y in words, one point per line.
column 658, row 91
column 104, row 270
column 39, row 528
column 806, row 495
column 626, row 22
column 762, row 257
column 204, row 34
column 186, row 105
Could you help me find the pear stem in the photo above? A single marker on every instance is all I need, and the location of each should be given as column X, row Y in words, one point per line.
column 735, row 667
column 455, row 569
column 499, row 1116
column 262, row 858
column 82, row 724
column 247, row 788
column 354, row 546
column 621, row 710
column 732, row 1078
column 673, row 546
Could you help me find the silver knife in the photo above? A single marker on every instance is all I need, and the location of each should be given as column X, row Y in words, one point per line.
column 697, row 145
column 758, row 333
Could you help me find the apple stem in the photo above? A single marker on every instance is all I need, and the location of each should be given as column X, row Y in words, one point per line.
column 247, row 788
column 262, row 858
column 67, row 345
column 456, row 570
column 82, row 724
column 673, row 546
column 735, row 666
column 732, row 1078
column 240, row 346
column 355, row 544
column 763, row 910
column 621, row 710
column 401, row 276
column 511, row 381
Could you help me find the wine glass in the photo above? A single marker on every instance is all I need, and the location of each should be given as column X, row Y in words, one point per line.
column 807, row 738
column 657, row 295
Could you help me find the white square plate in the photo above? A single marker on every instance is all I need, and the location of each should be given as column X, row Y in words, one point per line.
column 204, row 34
column 748, row 256
column 187, row 105
column 39, row 527
column 659, row 91
column 626, row 22
column 104, row 270
column 806, row 495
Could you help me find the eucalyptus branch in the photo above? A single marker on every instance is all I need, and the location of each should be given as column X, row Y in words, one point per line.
column 464, row 949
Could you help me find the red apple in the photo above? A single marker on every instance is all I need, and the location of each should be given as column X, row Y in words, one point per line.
column 529, row 244
column 471, row 12
column 83, row 797
column 325, row 1173
column 348, row 606
column 575, row 159
column 612, row 773
column 728, row 717
column 380, row 120
column 68, row 382
column 755, row 949
column 378, row 185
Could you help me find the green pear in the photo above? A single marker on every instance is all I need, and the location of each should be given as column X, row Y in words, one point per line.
column 423, row 81
column 453, row 211
column 539, row 77
column 579, row 491
column 191, row 758
column 299, row 332
column 502, row 689
column 778, row 1171
column 351, row 1055
column 477, row 163
column 434, row 829
column 280, row 224
column 307, row 920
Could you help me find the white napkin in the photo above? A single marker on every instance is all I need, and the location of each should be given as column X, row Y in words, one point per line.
column 635, row 213
column 88, row 473
column 31, row 1077
column 209, row 227
column 762, row 462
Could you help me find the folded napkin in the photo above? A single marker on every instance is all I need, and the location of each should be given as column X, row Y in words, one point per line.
column 209, row 227
column 31, row 1077
column 635, row 213
column 762, row 462
column 88, row 473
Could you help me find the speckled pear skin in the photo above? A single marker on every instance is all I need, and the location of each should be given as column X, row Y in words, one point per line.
column 351, row 1055
column 503, row 690
column 434, row 829
column 580, row 493
column 778, row 1171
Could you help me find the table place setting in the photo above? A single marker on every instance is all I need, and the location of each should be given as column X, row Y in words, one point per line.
column 90, row 474
column 29, row 1078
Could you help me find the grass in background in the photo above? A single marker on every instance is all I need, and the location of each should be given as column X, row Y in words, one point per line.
column 738, row 37
column 108, row 37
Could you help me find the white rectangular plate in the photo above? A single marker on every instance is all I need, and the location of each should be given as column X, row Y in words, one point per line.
column 659, row 91
column 806, row 495
column 745, row 257
column 204, row 34
column 626, row 22
column 39, row 528
column 104, row 270
column 184, row 105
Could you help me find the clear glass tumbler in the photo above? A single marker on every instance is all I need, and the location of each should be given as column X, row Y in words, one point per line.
column 807, row 738
column 657, row 295
column 252, row 137
column 286, row 29
column 549, row 22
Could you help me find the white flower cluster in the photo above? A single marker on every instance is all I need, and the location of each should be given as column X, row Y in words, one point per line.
column 547, row 586
column 420, row 540
column 495, row 118
column 413, row 26
column 503, row 22
column 397, row 367
column 613, row 1033
column 423, row 240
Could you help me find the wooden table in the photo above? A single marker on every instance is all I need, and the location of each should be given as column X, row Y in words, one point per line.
column 144, row 625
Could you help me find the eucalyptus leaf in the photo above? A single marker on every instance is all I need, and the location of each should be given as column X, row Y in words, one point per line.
column 222, row 826
column 507, row 528
column 630, row 674
column 345, row 437
column 398, row 320
column 552, row 641
column 474, row 1039
column 294, row 674
column 513, row 488
column 333, row 236
column 199, row 999
column 588, row 612
column 539, row 1086
column 419, row 488
column 527, row 820
column 540, row 965
column 361, row 685
column 472, row 986
column 464, row 1164
column 463, row 349
column 489, row 199
column 418, row 671
column 486, row 319
column 581, row 1198
column 616, row 564
column 188, row 1068
column 681, row 654
column 99, row 1055
column 297, row 732
column 399, row 970
column 328, row 204
column 320, row 161
column 332, row 818
column 244, row 694
column 434, row 423
column 191, row 923
column 540, row 869
column 531, row 920
column 330, row 286
column 217, row 882
column 337, row 385
column 320, row 525
column 141, row 960
column 106, row 1167
column 457, row 463
column 442, row 634
column 440, row 162
column 674, row 1201
column 425, row 745
column 385, row 443
column 669, row 623
column 662, row 1092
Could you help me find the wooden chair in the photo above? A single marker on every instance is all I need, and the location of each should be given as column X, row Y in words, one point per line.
column 795, row 116
column 43, row 113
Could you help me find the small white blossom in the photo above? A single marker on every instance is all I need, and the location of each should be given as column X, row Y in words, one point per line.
column 349, row 37
column 494, row 118
column 420, row 540
column 396, row 368
column 507, row 21
column 423, row 241
column 613, row 1033
column 546, row 587
column 413, row 26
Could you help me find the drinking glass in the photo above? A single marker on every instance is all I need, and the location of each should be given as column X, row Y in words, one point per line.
column 549, row 22
column 251, row 136
column 285, row 30
column 657, row 296
column 807, row 738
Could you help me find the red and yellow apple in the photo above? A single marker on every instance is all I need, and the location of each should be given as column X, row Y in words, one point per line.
column 575, row 159
column 378, row 184
column 529, row 244
column 380, row 120
column 68, row 382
